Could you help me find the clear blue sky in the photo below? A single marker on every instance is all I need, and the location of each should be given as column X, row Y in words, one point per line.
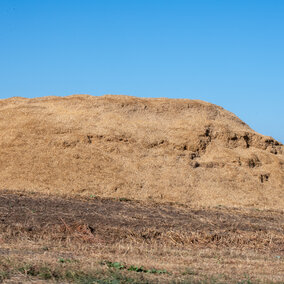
column 230, row 53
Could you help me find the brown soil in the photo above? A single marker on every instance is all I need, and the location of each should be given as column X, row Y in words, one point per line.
column 185, row 151
column 37, row 230
column 113, row 220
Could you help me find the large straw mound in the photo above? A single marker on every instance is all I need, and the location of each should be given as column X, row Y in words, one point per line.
column 183, row 151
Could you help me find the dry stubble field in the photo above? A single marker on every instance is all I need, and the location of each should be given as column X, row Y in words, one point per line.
column 93, row 240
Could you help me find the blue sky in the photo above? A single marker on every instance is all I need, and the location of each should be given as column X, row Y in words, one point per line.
column 230, row 53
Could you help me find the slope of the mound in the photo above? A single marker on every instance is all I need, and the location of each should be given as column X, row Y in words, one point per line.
column 184, row 151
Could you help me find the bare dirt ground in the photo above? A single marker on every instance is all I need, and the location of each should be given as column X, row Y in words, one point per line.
column 96, row 240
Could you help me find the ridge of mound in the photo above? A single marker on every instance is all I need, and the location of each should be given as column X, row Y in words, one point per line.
column 168, row 150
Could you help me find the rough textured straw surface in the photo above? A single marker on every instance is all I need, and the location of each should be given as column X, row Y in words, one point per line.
column 167, row 150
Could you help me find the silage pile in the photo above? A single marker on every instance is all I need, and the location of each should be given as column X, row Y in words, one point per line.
column 182, row 151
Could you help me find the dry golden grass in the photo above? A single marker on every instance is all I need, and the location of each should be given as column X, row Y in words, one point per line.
column 166, row 150
column 182, row 263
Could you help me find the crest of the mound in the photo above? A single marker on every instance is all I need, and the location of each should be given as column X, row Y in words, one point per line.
column 184, row 151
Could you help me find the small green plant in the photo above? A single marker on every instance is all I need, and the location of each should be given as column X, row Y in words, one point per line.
column 118, row 265
column 157, row 271
column 64, row 260
column 136, row 268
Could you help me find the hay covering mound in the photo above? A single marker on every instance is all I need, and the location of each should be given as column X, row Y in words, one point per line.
column 183, row 151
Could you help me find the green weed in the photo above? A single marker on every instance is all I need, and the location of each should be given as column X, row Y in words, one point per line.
column 120, row 266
